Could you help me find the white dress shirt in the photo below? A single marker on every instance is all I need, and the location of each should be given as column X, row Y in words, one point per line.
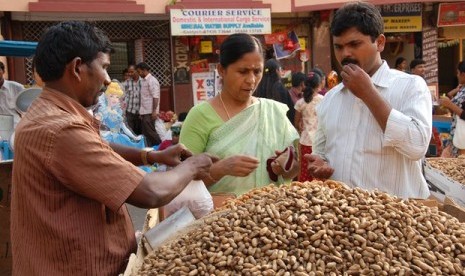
column 8, row 93
column 353, row 143
column 150, row 89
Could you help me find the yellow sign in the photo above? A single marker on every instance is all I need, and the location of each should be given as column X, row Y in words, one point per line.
column 206, row 47
column 303, row 43
column 400, row 24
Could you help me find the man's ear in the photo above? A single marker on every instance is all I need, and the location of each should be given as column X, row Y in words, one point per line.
column 381, row 42
column 75, row 67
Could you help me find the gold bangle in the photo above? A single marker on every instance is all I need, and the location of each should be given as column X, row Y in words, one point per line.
column 144, row 156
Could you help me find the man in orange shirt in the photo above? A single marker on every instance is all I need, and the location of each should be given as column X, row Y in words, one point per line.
column 68, row 215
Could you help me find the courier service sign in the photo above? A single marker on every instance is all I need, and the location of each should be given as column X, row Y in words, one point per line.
column 187, row 22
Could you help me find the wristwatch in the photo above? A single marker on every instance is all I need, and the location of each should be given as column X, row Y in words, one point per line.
column 144, row 154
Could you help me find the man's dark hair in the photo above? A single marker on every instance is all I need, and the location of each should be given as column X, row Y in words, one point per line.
column 2, row 66
column 298, row 78
column 65, row 41
column 461, row 66
column 143, row 66
column 125, row 70
column 182, row 116
column 365, row 17
column 414, row 63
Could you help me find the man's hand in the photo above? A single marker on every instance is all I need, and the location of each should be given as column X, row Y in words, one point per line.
column 172, row 156
column 202, row 163
column 357, row 81
column 318, row 168
column 154, row 115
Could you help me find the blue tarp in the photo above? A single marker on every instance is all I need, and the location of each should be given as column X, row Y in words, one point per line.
column 13, row 48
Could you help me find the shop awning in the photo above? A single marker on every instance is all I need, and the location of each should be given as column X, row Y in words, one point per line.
column 17, row 48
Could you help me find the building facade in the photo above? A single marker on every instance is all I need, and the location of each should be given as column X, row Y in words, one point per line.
column 144, row 30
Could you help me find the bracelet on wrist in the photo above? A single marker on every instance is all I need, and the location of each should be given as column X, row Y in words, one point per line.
column 144, row 156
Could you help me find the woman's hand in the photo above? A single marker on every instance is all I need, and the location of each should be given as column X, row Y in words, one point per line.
column 236, row 165
column 318, row 168
column 445, row 101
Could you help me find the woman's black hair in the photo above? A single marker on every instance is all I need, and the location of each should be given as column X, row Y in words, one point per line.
column 271, row 81
column 237, row 45
column 399, row 60
column 311, row 84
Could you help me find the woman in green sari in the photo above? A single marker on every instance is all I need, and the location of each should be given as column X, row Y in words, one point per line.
column 244, row 131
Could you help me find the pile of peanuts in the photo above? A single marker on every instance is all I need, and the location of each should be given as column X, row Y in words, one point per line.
column 454, row 168
column 315, row 228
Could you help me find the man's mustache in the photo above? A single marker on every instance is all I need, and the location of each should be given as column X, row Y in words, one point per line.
column 348, row 61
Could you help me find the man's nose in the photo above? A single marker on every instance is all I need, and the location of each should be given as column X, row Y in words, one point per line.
column 107, row 79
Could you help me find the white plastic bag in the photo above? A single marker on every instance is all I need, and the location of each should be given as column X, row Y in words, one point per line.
column 160, row 128
column 459, row 135
column 195, row 196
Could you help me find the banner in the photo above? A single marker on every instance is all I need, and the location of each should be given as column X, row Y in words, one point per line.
column 188, row 22
column 451, row 14
column 288, row 47
column 404, row 17
column 203, row 86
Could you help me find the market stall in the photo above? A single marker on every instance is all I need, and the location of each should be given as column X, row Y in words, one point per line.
column 315, row 229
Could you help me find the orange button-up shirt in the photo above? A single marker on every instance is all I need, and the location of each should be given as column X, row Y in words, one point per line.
column 69, row 187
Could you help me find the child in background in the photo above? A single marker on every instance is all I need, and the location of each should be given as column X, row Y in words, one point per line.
column 306, row 120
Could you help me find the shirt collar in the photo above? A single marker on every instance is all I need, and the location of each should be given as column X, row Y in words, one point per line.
column 147, row 76
column 68, row 104
column 382, row 77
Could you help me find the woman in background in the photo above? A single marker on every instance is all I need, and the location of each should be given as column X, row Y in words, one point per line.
column 401, row 64
column 457, row 106
column 306, row 120
column 271, row 87
column 244, row 131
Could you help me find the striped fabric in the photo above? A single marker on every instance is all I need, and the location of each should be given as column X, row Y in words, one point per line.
column 67, row 211
column 150, row 90
column 132, row 95
column 351, row 140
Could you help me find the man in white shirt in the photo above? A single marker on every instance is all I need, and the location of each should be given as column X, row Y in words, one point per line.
column 149, row 104
column 374, row 127
column 8, row 92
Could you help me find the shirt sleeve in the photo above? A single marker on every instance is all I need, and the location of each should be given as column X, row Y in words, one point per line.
column 409, row 128
column 462, row 115
column 87, row 166
column 197, row 127
column 155, row 88
column 298, row 105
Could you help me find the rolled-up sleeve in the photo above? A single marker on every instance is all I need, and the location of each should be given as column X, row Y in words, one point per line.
column 408, row 129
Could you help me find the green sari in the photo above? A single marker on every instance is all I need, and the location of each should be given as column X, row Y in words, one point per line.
column 258, row 130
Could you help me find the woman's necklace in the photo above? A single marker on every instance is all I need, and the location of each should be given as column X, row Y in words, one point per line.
column 224, row 106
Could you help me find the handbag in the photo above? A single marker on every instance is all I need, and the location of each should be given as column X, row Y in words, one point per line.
column 459, row 134
column 288, row 164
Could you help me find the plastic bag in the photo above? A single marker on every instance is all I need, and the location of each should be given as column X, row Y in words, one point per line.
column 161, row 130
column 195, row 196
column 459, row 135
